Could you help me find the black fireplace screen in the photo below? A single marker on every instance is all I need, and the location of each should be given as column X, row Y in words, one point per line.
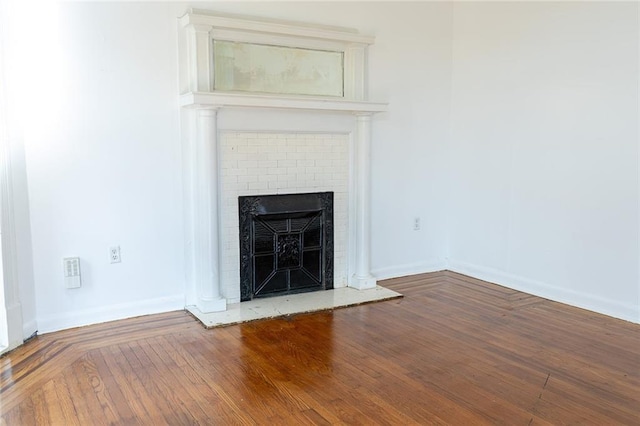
column 286, row 244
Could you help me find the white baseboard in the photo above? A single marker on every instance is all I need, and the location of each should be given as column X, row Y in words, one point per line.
column 409, row 269
column 110, row 313
column 625, row 311
column 29, row 328
column 14, row 326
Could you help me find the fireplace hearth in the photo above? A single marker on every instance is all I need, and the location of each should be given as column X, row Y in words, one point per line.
column 286, row 244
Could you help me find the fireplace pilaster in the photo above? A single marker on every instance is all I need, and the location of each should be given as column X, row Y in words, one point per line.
column 363, row 278
column 205, row 209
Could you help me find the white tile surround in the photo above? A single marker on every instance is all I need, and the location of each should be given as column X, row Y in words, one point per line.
column 261, row 163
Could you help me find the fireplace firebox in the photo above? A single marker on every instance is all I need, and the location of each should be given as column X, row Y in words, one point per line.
column 286, row 244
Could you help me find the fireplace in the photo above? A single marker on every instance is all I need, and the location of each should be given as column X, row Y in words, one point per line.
column 286, row 244
column 237, row 143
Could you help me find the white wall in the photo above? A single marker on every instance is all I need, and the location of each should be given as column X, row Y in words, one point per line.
column 104, row 166
column 544, row 153
column 103, row 158
column 536, row 186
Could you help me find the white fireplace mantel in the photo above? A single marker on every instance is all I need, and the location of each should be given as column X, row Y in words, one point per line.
column 243, row 100
column 201, row 105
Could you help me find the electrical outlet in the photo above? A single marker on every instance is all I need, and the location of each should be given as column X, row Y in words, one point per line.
column 114, row 254
column 416, row 223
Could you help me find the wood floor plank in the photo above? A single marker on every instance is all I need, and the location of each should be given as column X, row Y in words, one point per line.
column 224, row 396
column 39, row 409
column 159, row 389
column 189, row 398
column 50, row 403
column 138, row 400
column 78, row 398
column 454, row 350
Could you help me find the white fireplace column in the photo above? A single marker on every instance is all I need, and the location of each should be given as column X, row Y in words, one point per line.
column 205, row 199
column 362, row 278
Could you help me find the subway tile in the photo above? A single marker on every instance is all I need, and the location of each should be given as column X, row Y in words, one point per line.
column 248, row 178
column 248, row 164
column 258, row 185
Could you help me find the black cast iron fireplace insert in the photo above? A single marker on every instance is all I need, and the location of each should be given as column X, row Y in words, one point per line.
column 286, row 244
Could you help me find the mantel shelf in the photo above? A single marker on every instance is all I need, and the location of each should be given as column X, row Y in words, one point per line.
column 242, row 100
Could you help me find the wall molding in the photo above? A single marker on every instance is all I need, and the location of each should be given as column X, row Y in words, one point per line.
column 101, row 314
column 624, row 311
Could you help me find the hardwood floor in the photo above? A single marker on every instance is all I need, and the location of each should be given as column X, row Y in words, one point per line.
column 454, row 350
